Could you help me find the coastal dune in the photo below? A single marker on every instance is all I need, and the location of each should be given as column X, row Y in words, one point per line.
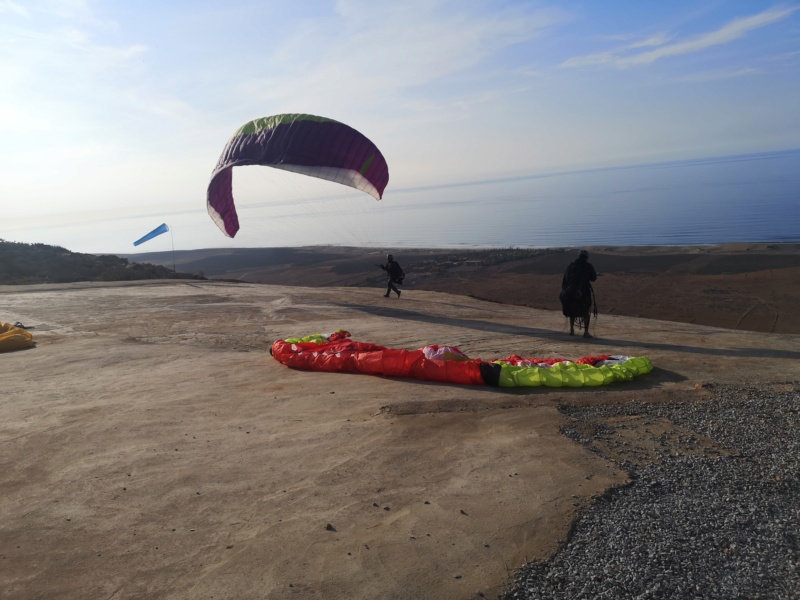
column 153, row 448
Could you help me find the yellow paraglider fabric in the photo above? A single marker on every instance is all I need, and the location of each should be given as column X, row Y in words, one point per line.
column 14, row 338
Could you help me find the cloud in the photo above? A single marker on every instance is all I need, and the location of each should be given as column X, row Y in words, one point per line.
column 654, row 40
column 622, row 58
column 55, row 63
column 720, row 75
column 11, row 6
column 394, row 51
column 90, row 54
column 20, row 120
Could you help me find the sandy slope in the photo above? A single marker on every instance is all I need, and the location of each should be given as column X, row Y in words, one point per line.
column 152, row 448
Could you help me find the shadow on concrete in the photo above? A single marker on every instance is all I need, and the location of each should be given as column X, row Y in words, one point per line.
column 479, row 325
column 410, row 315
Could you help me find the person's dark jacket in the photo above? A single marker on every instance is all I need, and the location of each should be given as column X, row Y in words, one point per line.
column 394, row 271
column 576, row 288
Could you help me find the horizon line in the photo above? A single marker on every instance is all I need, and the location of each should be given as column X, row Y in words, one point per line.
column 716, row 159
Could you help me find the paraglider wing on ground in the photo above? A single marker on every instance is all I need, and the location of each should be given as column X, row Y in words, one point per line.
column 14, row 337
column 446, row 364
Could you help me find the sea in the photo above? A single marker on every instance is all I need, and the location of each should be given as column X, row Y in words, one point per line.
column 743, row 198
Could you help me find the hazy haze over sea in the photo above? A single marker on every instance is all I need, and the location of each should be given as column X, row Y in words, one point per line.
column 745, row 198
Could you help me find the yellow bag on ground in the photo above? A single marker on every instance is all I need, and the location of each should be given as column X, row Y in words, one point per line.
column 14, row 338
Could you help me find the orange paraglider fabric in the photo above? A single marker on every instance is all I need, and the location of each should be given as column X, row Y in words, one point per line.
column 14, row 338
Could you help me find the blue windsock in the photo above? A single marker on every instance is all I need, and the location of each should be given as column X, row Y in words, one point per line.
column 156, row 232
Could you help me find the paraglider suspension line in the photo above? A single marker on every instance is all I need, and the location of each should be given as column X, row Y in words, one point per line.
column 173, row 250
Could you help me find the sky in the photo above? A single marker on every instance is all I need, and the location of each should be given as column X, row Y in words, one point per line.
column 113, row 113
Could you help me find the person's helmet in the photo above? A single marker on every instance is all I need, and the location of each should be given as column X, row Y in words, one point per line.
column 389, row 257
column 583, row 254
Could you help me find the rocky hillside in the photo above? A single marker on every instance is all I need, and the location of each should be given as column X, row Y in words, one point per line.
column 39, row 263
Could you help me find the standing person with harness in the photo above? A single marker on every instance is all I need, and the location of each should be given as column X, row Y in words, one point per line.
column 395, row 273
column 577, row 296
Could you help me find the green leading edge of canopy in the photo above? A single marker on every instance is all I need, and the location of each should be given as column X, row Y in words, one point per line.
column 267, row 123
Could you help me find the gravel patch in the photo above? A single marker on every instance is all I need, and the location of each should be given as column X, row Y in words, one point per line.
column 689, row 525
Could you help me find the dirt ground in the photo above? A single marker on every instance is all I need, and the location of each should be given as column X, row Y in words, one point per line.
column 744, row 286
column 152, row 448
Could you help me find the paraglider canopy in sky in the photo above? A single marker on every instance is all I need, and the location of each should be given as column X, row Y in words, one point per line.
column 305, row 144
column 156, row 232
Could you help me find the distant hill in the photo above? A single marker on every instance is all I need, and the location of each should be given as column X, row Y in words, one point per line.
column 330, row 265
column 22, row 263
column 753, row 286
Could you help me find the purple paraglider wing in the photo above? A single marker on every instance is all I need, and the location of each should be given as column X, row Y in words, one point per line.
column 305, row 144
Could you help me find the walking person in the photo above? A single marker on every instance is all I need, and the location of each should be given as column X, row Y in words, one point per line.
column 395, row 273
column 577, row 296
